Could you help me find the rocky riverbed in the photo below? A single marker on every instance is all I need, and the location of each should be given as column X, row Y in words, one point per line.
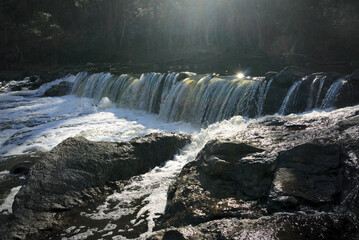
column 273, row 177
column 294, row 178
column 77, row 172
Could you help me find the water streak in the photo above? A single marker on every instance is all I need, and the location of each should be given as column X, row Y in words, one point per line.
column 332, row 94
column 311, row 93
column 263, row 95
column 321, row 84
column 291, row 95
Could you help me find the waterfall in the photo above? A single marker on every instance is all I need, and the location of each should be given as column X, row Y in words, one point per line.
column 321, row 84
column 332, row 94
column 199, row 99
column 291, row 95
column 263, row 95
column 311, row 93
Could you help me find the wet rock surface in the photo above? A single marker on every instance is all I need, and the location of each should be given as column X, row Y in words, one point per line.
column 75, row 173
column 285, row 226
column 271, row 182
column 62, row 89
column 311, row 92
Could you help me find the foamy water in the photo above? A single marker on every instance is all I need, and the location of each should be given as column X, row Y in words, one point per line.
column 145, row 198
column 30, row 124
column 6, row 206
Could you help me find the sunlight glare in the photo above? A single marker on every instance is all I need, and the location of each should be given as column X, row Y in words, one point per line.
column 240, row 75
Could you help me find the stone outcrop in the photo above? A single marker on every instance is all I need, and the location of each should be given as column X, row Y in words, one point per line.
column 292, row 178
column 75, row 172
column 313, row 86
column 62, row 89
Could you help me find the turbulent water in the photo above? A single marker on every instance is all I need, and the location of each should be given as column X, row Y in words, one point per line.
column 198, row 99
column 105, row 107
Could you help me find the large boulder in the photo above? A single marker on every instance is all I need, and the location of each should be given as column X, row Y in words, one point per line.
column 310, row 172
column 75, row 172
column 292, row 178
column 228, row 178
column 349, row 96
column 62, row 89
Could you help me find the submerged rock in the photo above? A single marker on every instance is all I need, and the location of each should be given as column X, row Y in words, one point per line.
column 75, row 172
column 271, row 182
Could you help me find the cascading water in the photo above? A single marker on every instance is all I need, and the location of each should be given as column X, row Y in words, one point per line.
column 107, row 107
column 311, row 94
column 263, row 95
column 321, row 84
column 332, row 94
column 290, row 97
column 201, row 99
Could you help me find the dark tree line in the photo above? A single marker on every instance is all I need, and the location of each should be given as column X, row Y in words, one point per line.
column 136, row 31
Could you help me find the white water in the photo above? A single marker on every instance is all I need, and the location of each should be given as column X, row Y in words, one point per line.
column 151, row 188
column 6, row 206
column 38, row 124
column 199, row 99
column 30, row 124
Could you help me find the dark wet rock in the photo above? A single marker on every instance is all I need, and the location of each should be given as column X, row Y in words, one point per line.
column 272, row 181
column 237, row 162
column 349, row 95
column 355, row 75
column 308, row 172
column 62, row 89
column 270, row 75
column 289, row 75
column 284, row 226
column 280, row 86
column 227, row 179
column 295, row 127
column 75, row 172
column 310, row 93
column 33, row 78
column 21, row 168
column 9, row 179
column 16, row 88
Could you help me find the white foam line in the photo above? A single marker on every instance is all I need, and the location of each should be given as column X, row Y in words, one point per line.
column 6, row 207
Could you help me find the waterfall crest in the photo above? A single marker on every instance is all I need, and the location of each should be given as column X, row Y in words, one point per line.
column 199, row 99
